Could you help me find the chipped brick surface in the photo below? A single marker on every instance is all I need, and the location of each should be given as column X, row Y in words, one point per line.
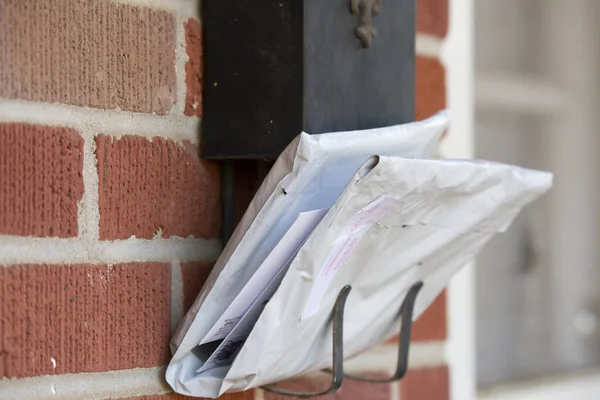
column 193, row 68
column 156, row 188
column 83, row 318
column 193, row 275
column 95, row 53
column 40, row 180
column 432, row 17
column 430, row 87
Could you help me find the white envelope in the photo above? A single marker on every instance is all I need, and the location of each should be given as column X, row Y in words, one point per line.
column 440, row 214
column 238, row 320
column 277, row 259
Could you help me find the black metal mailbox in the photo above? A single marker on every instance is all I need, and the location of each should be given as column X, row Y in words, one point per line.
column 274, row 68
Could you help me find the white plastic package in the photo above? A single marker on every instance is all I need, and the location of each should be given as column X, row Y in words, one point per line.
column 393, row 221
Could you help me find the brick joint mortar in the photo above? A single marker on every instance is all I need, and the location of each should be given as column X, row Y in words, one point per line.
column 181, row 58
column 55, row 251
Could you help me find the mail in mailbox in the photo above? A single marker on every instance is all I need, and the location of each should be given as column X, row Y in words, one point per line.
column 376, row 216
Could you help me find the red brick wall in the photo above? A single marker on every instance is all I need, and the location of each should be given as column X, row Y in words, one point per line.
column 108, row 217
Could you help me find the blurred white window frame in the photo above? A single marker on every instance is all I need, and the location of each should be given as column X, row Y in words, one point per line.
column 457, row 56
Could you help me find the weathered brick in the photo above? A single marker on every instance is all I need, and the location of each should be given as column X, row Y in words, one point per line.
column 96, row 53
column 40, row 179
column 350, row 390
column 83, row 318
column 193, row 275
column 157, row 187
column 430, row 87
column 431, row 325
column 427, row 383
column 247, row 395
column 193, row 68
column 432, row 17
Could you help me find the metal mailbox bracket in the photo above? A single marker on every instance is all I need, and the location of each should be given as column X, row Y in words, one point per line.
column 406, row 313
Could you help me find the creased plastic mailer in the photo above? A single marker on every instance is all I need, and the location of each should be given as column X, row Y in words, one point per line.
column 451, row 209
column 448, row 211
column 313, row 170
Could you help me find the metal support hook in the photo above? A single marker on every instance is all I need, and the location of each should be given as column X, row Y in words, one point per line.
column 406, row 314
column 405, row 331
column 338, row 351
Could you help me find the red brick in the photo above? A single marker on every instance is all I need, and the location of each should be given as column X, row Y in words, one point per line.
column 96, row 53
column 350, row 390
column 193, row 276
column 427, row 383
column 40, row 180
column 431, row 325
column 88, row 318
column 193, row 68
column 430, row 87
column 156, row 187
column 432, row 17
column 248, row 395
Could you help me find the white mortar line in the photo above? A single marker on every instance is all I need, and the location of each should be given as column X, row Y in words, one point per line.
column 113, row 122
column 88, row 216
column 87, row 386
column 176, row 295
column 428, row 45
column 181, row 58
column 395, row 391
column 259, row 394
column 185, row 8
column 427, row 354
column 20, row 250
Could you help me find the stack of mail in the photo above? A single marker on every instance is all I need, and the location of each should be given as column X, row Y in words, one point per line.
column 355, row 208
